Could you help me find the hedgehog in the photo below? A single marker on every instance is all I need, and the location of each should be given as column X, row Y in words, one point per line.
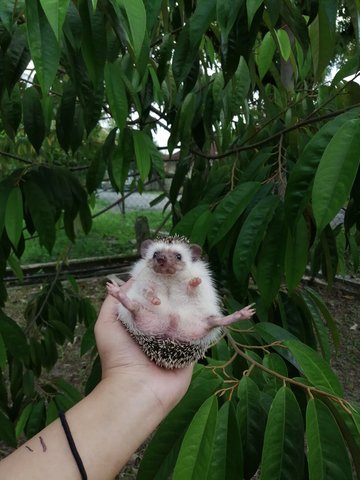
column 172, row 309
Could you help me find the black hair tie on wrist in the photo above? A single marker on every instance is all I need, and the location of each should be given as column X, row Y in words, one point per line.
column 72, row 446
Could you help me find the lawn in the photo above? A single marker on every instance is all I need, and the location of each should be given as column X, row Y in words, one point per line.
column 112, row 233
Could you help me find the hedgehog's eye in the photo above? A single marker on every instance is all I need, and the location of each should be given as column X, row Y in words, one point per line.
column 178, row 256
column 155, row 254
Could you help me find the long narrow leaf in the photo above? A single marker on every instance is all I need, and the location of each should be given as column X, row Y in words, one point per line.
column 315, row 369
column 327, row 454
column 55, row 11
column 227, row 455
column 230, row 208
column 251, row 235
column 252, row 419
column 173, row 427
column 283, row 452
column 296, row 255
column 336, row 173
column 301, row 177
column 14, row 216
column 44, row 48
column 136, row 16
column 195, row 452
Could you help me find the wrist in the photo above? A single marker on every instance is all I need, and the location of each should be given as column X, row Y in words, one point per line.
column 139, row 392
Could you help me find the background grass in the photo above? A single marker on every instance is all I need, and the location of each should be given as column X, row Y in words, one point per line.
column 112, row 233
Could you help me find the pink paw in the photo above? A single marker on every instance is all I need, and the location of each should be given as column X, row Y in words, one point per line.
column 195, row 282
column 113, row 289
column 155, row 301
column 246, row 312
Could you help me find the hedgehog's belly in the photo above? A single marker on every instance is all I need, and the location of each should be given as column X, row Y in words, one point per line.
column 169, row 352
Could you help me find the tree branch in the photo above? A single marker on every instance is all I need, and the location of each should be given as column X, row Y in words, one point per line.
column 256, row 145
column 16, row 157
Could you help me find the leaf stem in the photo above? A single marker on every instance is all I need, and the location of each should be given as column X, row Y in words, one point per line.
column 309, row 389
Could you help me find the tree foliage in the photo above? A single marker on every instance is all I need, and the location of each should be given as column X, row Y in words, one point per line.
column 268, row 147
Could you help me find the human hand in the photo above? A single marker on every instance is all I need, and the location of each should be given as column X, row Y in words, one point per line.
column 123, row 361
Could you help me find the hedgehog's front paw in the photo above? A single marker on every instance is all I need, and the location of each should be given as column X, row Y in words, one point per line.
column 246, row 312
column 113, row 289
column 192, row 284
column 149, row 294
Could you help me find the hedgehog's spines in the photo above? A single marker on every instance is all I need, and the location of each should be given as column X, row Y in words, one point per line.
column 171, row 239
column 167, row 352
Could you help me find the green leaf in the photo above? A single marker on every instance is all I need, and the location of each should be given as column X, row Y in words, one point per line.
column 186, row 224
column 142, row 154
column 6, row 14
column 322, row 33
column 349, row 431
column 14, row 338
column 85, row 217
column 136, row 16
column 251, row 236
column 252, row 6
column 270, row 259
column 336, row 173
column 20, row 424
column 69, row 390
column 230, row 209
column 116, row 93
column 315, row 319
column 294, row 19
column 55, row 11
column 196, row 448
column 188, row 42
column 227, row 458
column 33, row 117
column 65, row 116
column 186, row 116
column 120, row 160
column 93, row 42
column 301, row 177
column 283, row 452
column 10, row 108
column 328, row 318
column 314, row 368
column 7, row 432
column 252, row 419
column 36, row 419
column 274, row 333
column 239, row 86
column 201, row 227
column 200, row 20
column 327, row 454
column 52, row 412
column 42, row 213
column 152, row 8
column 296, row 253
column 95, row 173
column 16, row 59
column 3, row 357
column 15, row 266
column 284, row 42
column 274, row 362
column 157, row 456
column 44, row 48
column 265, row 54
column 14, row 216
column 227, row 12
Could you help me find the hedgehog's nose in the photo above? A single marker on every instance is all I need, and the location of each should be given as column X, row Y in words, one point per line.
column 161, row 259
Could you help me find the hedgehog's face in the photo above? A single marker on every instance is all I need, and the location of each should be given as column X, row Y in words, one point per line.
column 167, row 259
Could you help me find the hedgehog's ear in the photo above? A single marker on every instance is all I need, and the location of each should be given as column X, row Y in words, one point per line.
column 196, row 251
column 144, row 247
